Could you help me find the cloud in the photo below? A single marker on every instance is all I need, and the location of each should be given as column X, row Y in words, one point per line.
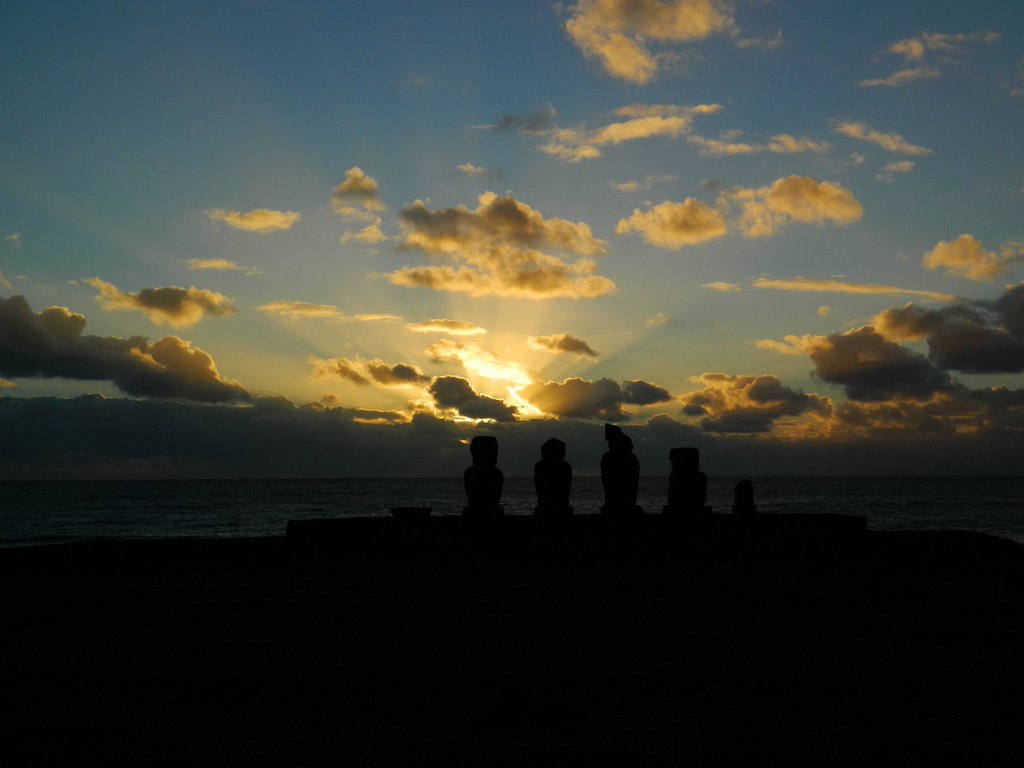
column 50, row 344
column 793, row 198
column 762, row 43
column 890, row 141
column 364, row 372
column 4, row 282
column 417, row 80
column 14, row 240
column 659, row 319
column 453, row 327
column 981, row 337
column 357, row 188
column 902, row 77
column 783, row 144
column 870, row 368
column 296, row 310
column 498, row 249
column 889, row 171
column 748, row 404
column 790, row 344
column 371, row 233
column 455, row 393
column 639, row 392
column 562, row 342
column 575, row 398
column 724, row 287
column 542, row 119
column 221, row 264
column 258, row 220
column 647, row 183
column 834, row 286
column 90, row 437
column 477, row 172
column 644, row 121
column 617, row 33
column 966, row 257
column 178, row 307
column 478, row 361
column 914, row 51
column 673, row 225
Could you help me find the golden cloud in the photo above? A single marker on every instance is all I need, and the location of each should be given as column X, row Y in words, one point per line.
column 221, row 264
column 889, row 171
column 797, row 198
column 178, row 307
column 646, row 121
column 453, row 327
column 834, row 286
column 893, row 142
column 902, row 77
column 497, row 249
column 966, row 257
column 915, row 50
column 295, row 310
column 371, row 233
column 258, row 220
column 616, row 33
column 673, row 225
column 357, row 188
column 782, row 143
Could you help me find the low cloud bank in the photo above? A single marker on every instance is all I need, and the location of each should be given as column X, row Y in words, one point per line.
column 92, row 437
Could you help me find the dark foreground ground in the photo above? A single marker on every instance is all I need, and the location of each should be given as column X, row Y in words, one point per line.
column 900, row 649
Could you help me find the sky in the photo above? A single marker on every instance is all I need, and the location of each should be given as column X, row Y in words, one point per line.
column 296, row 238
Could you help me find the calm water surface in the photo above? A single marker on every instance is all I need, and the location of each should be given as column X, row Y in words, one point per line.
column 37, row 512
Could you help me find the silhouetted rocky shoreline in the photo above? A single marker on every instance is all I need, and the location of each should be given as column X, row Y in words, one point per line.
column 875, row 647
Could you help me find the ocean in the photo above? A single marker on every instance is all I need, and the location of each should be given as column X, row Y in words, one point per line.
column 51, row 512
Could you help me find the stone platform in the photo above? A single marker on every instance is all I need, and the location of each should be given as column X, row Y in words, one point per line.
column 579, row 537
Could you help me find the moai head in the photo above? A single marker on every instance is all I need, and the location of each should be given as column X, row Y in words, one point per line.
column 484, row 449
column 617, row 439
column 553, row 450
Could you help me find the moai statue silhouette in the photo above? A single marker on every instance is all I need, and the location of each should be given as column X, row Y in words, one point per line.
column 620, row 474
column 483, row 480
column 552, row 478
column 687, row 485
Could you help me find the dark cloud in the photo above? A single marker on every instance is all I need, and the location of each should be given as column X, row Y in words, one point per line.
column 366, row 372
column 871, row 368
column 638, row 392
column 748, row 404
column 563, row 342
column 575, row 398
column 541, row 119
column 50, row 344
column 456, row 393
column 92, row 437
column 981, row 337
